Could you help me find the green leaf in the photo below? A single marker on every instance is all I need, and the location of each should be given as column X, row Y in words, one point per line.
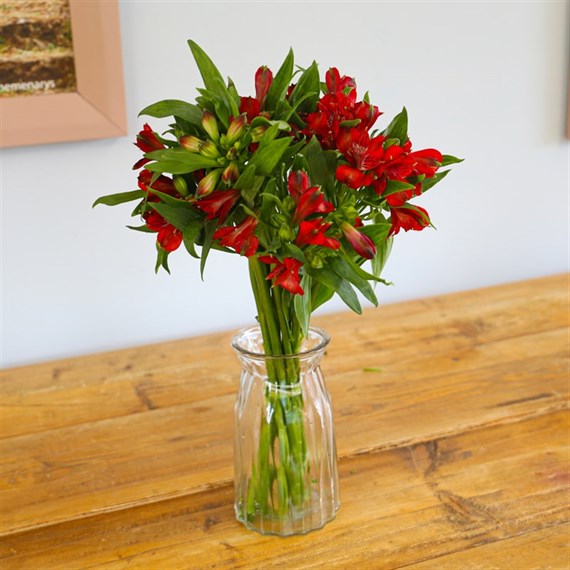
column 142, row 228
column 170, row 166
column 208, row 70
column 431, row 182
column 246, row 179
column 448, row 159
column 362, row 273
column 306, row 92
column 395, row 186
column 302, row 304
column 209, row 230
column 344, row 270
column 383, row 250
column 250, row 193
column 175, row 108
column 340, row 285
column 398, row 128
column 291, row 151
column 319, row 170
column 161, row 259
column 189, row 235
column 280, row 82
column 295, row 251
column 192, row 159
column 167, row 199
column 120, row 198
column 320, row 294
column 270, row 135
column 177, row 216
column 292, row 111
column 226, row 96
column 266, row 158
column 350, row 123
column 376, row 232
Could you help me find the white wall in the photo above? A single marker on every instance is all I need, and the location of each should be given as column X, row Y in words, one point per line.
column 482, row 80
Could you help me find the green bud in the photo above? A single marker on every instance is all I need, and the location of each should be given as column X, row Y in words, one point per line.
column 288, row 204
column 231, row 173
column 181, row 186
column 191, row 143
column 210, row 125
column 209, row 150
column 236, row 130
column 232, row 153
column 316, row 262
column 285, row 233
column 257, row 133
column 208, row 184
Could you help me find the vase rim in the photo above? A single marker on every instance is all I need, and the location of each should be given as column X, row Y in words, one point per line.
column 321, row 334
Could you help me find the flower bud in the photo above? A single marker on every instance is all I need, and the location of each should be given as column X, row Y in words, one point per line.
column 208, row 183
column 210, row 125
column 257, row 133
column 209, row 150
column 285, row 233
column 231, row 173
column 360, row 242
column 235, row 130
column 316, row 262
column 191, row 143
column 181, row 186
column 232, row 154
column 298, row 183
column 263, row 80
column 288, row 204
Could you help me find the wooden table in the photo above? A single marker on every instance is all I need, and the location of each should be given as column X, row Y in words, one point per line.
column 451, row 427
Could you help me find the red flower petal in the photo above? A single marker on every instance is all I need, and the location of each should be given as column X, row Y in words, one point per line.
column 352, row 177
column 169, row 238
column 360, row 242
column 250, row 106
column 408, row 218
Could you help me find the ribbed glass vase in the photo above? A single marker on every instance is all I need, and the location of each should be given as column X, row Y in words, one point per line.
column 286, row 479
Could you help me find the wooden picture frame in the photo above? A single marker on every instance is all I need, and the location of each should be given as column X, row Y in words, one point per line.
column 97, row 108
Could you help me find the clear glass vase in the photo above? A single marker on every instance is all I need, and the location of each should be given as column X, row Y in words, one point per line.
column 286, row 479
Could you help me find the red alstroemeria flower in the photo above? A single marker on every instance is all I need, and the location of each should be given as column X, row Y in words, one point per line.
column 297, row 183
column 336, row 83
column 408, row 218
column 312, row 232
column 218, row 204
column 250, row 106
column 426, row 161
column 353, row 177
column 285, row 273
column 147, row 141
column 263, row 80
column 240, row 237
column 367, row 113
column 359, row 149
column 161, row 184
column 169, row 238
column 312, row 201
column 396, row 165
column 400, row 198
column 360, row 242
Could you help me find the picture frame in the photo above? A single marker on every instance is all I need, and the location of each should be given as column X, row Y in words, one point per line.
column 97, row 108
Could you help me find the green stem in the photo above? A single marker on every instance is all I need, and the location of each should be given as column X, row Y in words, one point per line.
column 286, row 422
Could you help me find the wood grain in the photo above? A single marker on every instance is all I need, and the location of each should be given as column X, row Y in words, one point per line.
column 429, row 500
column 459, row 444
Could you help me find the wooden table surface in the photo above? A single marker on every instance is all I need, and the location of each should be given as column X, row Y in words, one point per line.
column 451, row 424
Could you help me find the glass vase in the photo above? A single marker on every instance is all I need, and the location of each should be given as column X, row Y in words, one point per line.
column 286, row 479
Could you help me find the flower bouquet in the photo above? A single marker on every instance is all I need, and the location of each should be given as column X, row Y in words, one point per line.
column 297, row 180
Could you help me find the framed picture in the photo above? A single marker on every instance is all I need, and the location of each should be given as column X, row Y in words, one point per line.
column 86, row 100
